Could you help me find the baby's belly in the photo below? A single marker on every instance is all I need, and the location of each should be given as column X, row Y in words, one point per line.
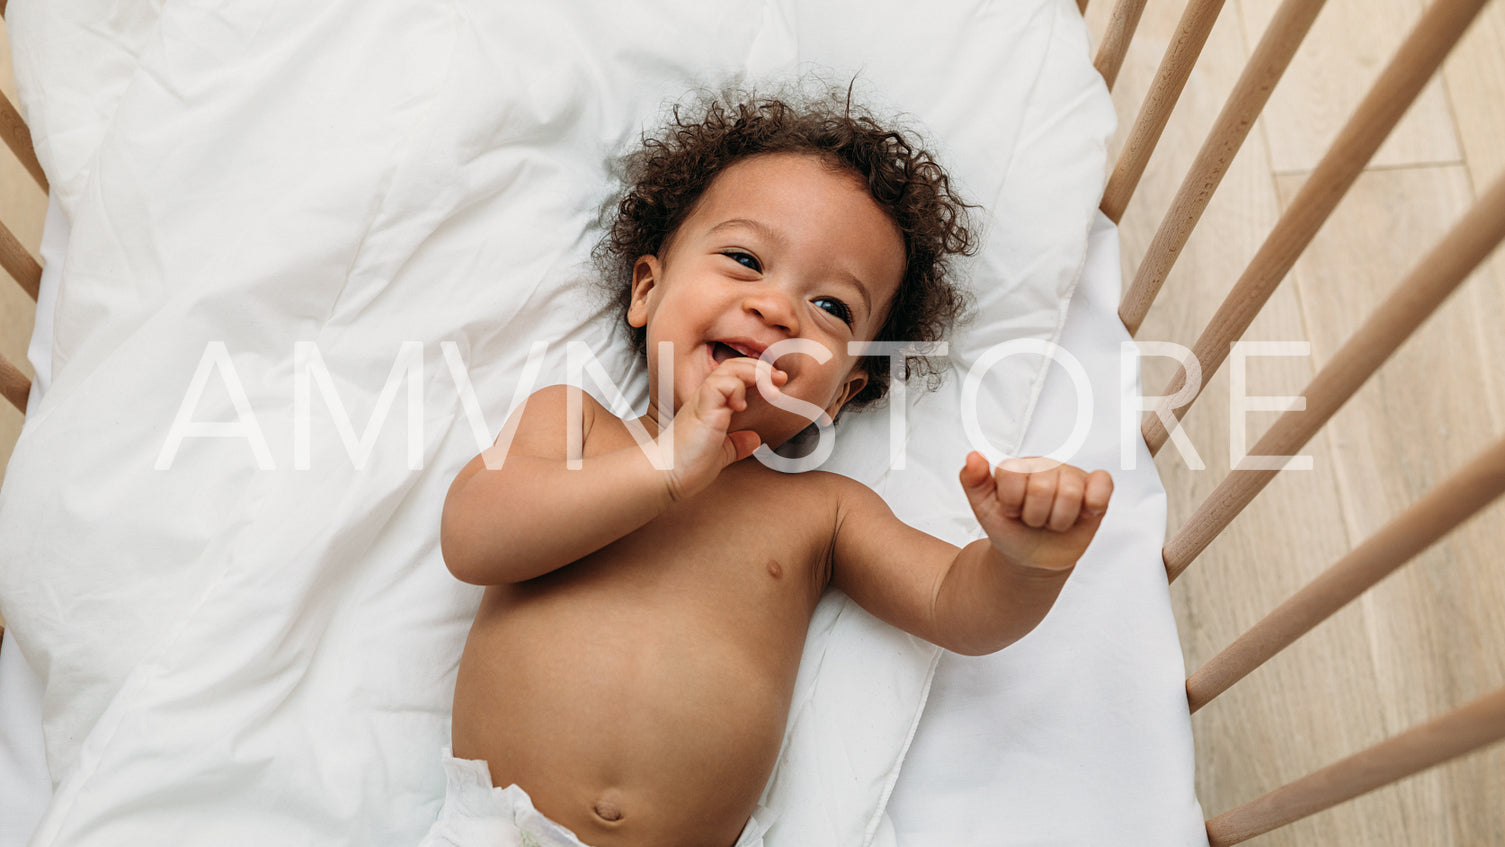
column 632, row 713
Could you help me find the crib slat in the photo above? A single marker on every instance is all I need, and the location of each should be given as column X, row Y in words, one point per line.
column 1398, row 85
column 1455, row 500
column 1110, row 56
column 1429, row 283
column 1463, row 730
column 19, row 263
column 13, row 384
column 1170, row 79
column 18, row 138
column 1264, row 69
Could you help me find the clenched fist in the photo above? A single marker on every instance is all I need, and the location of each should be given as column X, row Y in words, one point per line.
column 1037, row 512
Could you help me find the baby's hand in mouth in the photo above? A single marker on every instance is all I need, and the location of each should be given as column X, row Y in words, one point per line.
column 697, row 440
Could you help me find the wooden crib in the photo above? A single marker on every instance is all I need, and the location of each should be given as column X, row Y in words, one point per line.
column 1371, row 237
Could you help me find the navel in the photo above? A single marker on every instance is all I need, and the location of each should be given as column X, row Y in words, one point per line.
column 608, row 806
column 607, row 810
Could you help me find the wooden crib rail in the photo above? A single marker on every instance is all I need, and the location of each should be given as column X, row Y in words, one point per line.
column 14, row 257
column 1429, row 283
column 1264, row 69
column 14, row 385
column 1436, row 514
column 1461, row 731
column 1170, row 79
column 18, row 139
column 18, row 262
column 1440, row 27
column 1110, row 56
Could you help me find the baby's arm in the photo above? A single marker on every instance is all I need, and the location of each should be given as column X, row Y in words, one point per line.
column 530, row 513
column 985, row 596
column 533, row 514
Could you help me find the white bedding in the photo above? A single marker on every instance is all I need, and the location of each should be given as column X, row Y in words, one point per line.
column 235, row 654
column 1077, row 734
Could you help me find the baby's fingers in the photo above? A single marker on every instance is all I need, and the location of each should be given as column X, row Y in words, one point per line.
column 766, row 377
column 1099, row 491
column 974, row 476
column 977, row 483
column 1067, row 505
column 1039, row 497
column 1016, row 479
column 726, row 389
column 1012, row 482
column 752, row 373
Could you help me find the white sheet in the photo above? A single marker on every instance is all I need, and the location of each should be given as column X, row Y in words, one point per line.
column 218, row 668
column 1083, row 721
column 25, row 785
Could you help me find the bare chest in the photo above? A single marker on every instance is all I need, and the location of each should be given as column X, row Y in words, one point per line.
column 750, row 550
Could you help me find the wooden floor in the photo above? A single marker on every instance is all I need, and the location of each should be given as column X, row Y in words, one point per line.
column 1432, row 636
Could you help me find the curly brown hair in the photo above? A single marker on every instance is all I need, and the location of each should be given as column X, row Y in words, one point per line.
column 668, row 174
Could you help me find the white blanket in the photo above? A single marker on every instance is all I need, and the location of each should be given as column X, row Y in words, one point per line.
column 235, row 652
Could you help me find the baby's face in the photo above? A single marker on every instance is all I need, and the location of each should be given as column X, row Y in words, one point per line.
column 779, row 247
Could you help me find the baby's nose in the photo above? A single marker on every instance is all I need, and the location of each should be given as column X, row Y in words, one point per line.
column 774, row 307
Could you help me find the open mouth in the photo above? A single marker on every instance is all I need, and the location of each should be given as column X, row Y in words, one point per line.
column 721, row 351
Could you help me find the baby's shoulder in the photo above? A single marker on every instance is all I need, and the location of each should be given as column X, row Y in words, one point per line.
column 545, row 423
column 557, row 400
column 563, row 404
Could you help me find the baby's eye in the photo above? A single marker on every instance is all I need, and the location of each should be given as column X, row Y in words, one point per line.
column 746, row 260
column 835, row 307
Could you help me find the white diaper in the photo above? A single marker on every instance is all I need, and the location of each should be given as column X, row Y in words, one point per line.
column 477, row 813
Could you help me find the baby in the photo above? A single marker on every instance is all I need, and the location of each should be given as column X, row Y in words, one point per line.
column 629, row 674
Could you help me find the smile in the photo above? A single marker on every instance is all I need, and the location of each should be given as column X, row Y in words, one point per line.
column 723, row 350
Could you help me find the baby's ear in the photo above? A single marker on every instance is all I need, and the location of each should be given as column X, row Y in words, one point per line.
column 645, row 273
column 849, row 389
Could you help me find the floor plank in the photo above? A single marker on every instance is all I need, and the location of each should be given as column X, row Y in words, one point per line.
column 1475, row 82
column 1430, row 408
column 1348, row 46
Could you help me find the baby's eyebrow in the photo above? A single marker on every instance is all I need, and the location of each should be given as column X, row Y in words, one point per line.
column 851, row 279
column 761, row 228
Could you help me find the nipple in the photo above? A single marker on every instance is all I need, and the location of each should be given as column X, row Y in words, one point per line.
column 774, row 569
